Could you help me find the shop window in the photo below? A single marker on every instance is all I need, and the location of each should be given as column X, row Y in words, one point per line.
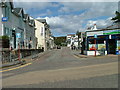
column 91, row 42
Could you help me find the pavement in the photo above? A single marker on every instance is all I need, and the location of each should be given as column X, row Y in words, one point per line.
column 27, row 60
column 78, row 54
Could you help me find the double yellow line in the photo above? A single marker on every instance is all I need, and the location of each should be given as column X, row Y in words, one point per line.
column 15, row 67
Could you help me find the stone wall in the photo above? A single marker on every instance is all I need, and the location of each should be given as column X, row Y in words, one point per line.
column 11, row 56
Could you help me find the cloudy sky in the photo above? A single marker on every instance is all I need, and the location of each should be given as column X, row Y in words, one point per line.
column 68, row 17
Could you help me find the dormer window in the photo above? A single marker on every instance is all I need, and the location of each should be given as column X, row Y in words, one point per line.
column 12, row 10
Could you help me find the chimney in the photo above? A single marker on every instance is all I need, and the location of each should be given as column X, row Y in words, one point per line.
column 94, row 27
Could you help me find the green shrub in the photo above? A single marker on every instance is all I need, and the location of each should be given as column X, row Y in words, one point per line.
column 4, row 37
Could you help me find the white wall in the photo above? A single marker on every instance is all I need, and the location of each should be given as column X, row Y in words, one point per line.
column 93, row 53
column 41, row 38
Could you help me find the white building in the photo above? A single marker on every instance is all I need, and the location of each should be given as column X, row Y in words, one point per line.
column 40, row 34
column 72, row 40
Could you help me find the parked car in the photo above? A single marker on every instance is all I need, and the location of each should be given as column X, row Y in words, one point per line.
column 58, row 47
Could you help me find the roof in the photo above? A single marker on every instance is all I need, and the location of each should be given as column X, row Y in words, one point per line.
column 17, row 10
column 113, row 26
column 32, row 22
column 26, row 16
column 42, row 20
column 70, row 34
column 11, row 3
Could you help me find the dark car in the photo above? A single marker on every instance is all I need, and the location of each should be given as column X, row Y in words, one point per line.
column 58, row 47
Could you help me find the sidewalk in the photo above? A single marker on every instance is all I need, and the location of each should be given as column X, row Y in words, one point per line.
column 78, row 54
column 27, row 59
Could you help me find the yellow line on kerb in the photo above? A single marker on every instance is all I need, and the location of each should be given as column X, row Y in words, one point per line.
column 16, row 67
column 75, row 56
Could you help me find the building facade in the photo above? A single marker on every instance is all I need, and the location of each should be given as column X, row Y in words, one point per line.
column 46, row 34
column 108, row 38
column 72, row 40
column 14, row 26
column 40, row 34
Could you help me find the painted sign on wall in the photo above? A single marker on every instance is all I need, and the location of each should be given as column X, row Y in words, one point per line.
column 4, row 19
column 108, row 32
column 94, row 33
column 92, row 47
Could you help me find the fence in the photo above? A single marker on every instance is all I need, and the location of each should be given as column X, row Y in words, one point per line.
column 10, row 56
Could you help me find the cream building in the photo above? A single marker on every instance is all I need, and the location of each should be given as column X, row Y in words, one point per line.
column 40, row 34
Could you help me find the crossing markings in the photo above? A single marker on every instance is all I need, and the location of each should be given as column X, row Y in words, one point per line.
column 16, row 67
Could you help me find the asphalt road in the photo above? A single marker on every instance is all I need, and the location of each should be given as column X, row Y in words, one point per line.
column 61, row 69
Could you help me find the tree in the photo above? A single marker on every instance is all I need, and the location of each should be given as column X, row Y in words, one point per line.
column 116, row 19
column 60, row 40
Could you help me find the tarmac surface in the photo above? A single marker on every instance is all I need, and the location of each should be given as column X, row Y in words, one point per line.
column 60, row 68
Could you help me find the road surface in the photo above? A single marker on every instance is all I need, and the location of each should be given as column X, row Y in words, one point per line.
column 61, row 69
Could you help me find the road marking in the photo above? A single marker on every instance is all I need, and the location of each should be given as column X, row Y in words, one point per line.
column 16, row 67
column 75, row 56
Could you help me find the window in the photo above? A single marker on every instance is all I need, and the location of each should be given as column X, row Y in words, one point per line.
column 30, row 38
column 41, row 31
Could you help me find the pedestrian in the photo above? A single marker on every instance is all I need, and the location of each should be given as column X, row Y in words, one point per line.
column 29, row 46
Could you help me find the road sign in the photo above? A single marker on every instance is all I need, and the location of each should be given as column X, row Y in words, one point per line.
column 18, row 35
column 95, row 35
column 4, row 19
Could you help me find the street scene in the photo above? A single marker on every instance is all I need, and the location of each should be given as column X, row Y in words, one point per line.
column 59, row 44
column 61, row 69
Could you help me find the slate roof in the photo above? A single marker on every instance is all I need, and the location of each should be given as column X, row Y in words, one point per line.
column 17, row 10
column 26, row 16
column 42, row 20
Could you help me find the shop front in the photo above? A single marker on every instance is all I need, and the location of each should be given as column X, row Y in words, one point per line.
column 106, row 42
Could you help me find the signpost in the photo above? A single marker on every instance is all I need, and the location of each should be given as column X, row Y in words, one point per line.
column 95, row 36
column 18, row 36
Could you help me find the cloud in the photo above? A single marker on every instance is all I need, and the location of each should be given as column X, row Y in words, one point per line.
column 93, row 9
column 70, row 23
column 66, row 0
column 64, row 24
column 33, row 5
column 100, row 23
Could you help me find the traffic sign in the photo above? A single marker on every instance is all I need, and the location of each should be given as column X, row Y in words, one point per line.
column 4, row 19
column 95, row 35
column 18, row 35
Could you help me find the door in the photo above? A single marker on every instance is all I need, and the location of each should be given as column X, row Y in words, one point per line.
column 111, row 46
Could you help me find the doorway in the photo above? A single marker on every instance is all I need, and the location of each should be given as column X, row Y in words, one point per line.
column 14, row 38
column 111, row 46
